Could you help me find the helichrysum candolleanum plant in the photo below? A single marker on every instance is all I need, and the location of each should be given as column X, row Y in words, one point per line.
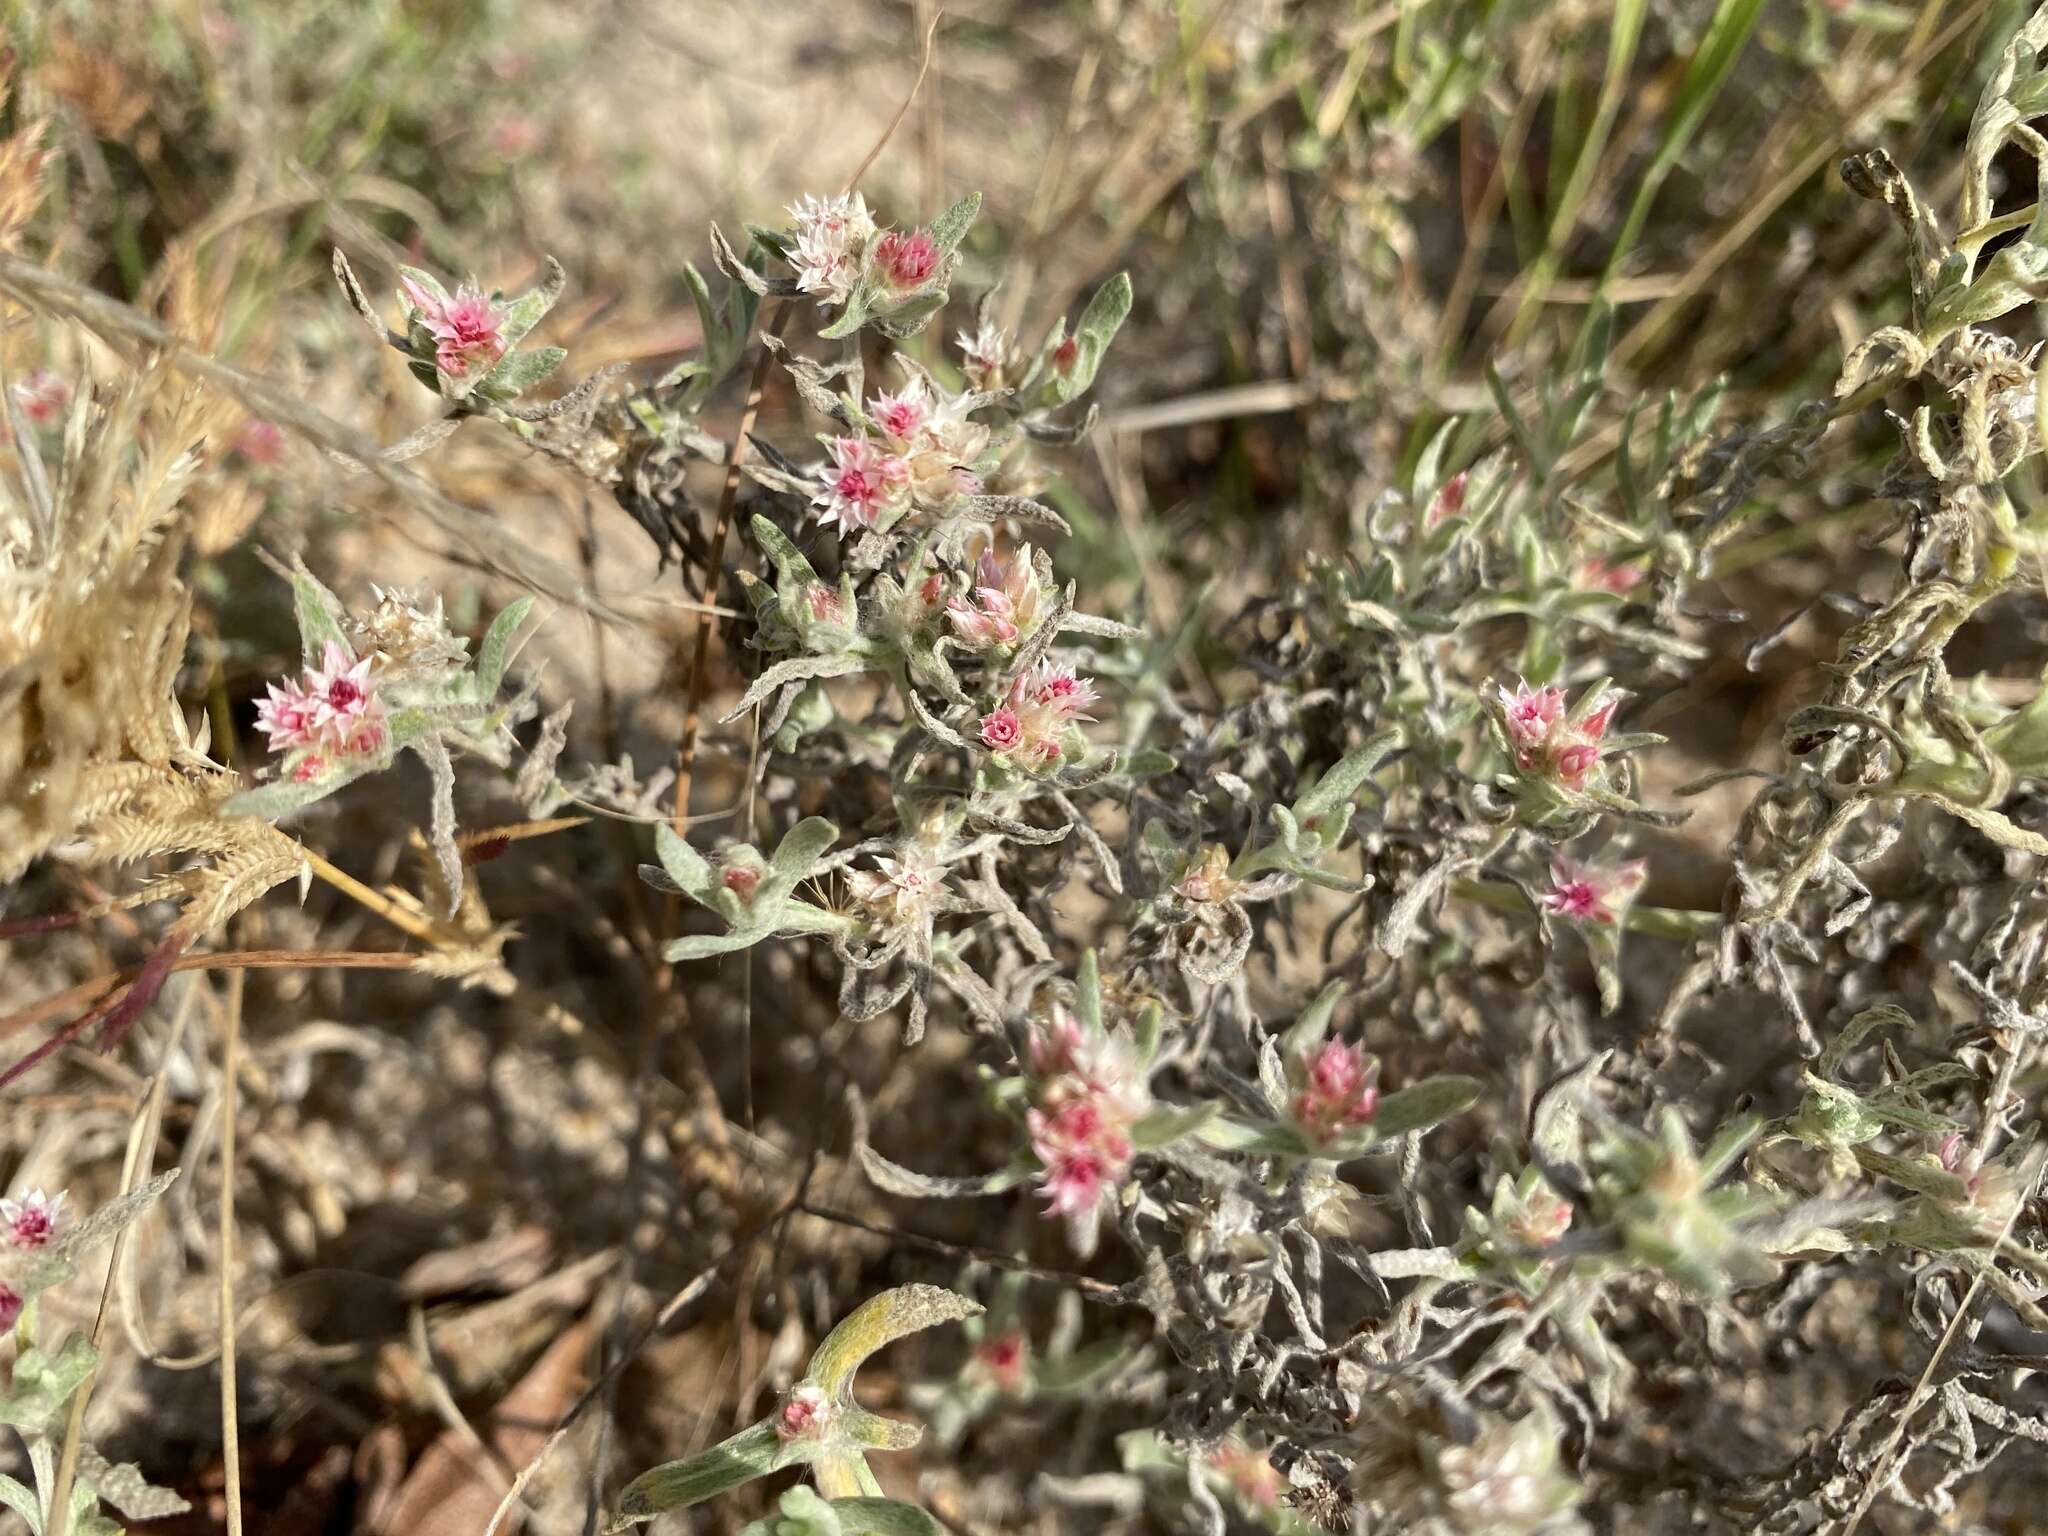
column 1303, row 927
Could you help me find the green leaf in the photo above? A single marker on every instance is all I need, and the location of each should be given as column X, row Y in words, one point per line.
column 495, row 652
column 791, row 568
column 879, row 1321
column 851, row 318
column 1088, row 992
column 884, row 1517
column 950, row 227
column 531, row 307
column 702, row 946
column 43, row 1383
column 800, row 849
column 685, row 865
column 1308, row 1032
column 1271, row 1140
column 1098, row 326
column 272, row 801
column 1423, row 1104
column 1078, row 1371
column 753, row 1452
column 1336, row 787
column 843, row 1474
column 877, row 1433
column 314, row 606
column 1915, row 1174
column 23, row 1503
column 1169, row 1123
column 518, row 372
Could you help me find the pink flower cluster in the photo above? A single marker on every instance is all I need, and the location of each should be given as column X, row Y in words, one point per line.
column 1004, row 605
column 468, row 330
column 259, row 442
column 1588, row 893
column 1338, row 1089
column 1088, row 1094
column 830, row 236
column 27, row 1224
column 1546, row 742
column 860, row 484
column 334, row 712
column 907, row 260
column 42, row 397
column 1030, row 725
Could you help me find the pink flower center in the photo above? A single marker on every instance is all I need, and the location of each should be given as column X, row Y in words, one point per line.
column 32, row 1228
column 1576, row 898
column 908, row 260
column 741, row 881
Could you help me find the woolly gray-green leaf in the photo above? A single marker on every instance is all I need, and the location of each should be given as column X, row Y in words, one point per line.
column 753, row 1452
column 880, row 1321
column 1423, row 1104
column 496, row 650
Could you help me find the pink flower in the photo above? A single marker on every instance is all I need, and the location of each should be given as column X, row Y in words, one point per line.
column 34, row 1219
column 515, row 135
column 1591, row 894
column 803, row 1414
column 1448, row 502
column 10, row 1307
column 467, row 329
column 901, row 416
column 828, row 238
column 1339, row 1088
column 1001, row 730
column 1003, row 1359
column 347, row 714
column 1059, row 691
column 1602, row 577
column 907, row 260
column 260, row 441
column 1005, row 603
column 1575, row 763
column 286, row 716
column 859, row 484
column 1547, row 741
column 1085, row 1153
column 1065, row 355
column 740, row 879
column 1532, row 713
column 42, row 396
column 1056, row 1044
column 311, row 766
